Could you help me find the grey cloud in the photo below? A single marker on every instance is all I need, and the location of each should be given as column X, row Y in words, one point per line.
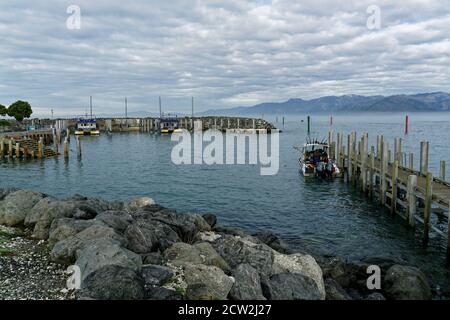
column 225, row 53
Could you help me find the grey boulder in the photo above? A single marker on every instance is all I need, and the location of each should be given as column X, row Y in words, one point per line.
column 146, row 236
column 180, row 254
column 113, row 282
column 247, row 285
column 156, row 275
column 104, row 252
column 212, row 281
column 237, row 250
column 290, row 286
column 67, row 227
column 161, row 293
column 65, row 251
column 406, row 283
column 118, row 220
column 334, row 291
column 273, row 241
column 17, row 205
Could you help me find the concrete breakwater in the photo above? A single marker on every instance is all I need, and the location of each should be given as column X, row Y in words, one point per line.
column 141, row 250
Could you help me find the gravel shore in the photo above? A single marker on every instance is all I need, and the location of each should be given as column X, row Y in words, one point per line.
column 26, row 271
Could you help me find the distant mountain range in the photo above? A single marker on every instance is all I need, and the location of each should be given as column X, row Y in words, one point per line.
column 435, row 101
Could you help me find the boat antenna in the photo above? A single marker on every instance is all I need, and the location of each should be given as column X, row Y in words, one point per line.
column 90, row 104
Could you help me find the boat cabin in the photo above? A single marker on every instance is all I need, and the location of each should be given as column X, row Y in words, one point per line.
column 168, row 125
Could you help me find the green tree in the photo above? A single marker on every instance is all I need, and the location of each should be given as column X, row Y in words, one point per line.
column 20, row 110
column 3, row 110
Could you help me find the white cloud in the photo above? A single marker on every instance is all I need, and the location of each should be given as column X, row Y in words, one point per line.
column 225, row 53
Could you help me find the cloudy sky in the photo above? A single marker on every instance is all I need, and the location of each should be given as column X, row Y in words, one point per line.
column 224, row 53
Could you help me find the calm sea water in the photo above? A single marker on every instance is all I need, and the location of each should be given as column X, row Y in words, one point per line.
column 323, row 217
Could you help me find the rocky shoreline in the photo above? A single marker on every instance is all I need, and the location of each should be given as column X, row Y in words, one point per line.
column 141, row 250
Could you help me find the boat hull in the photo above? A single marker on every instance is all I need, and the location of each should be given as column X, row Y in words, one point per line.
column 87, row 133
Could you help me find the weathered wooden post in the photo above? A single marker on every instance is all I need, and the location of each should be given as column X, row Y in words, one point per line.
column 25, row 152
column 41, row 148
column 10, row 148
column 66, row 148
column 424, row 147
column 428, row 202
column 448, row 232
column 394, row 178
column 2, row 148
column 364, row 154
column 68, row 134
column 17, row 150
column 398, row 150
column 309, row 125
column 412, row 202
column 383, row 169
column 338, row 149
column 411, row 161
column 354, row 158
column 371, row 171
column 442, row 170
column 79, row 147
column 349, row 157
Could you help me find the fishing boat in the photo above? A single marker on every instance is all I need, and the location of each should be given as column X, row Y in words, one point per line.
column 314, row 160
column 169, row 126
column 87, row 127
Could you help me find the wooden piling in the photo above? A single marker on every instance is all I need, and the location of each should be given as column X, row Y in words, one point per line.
column 394, row 178
column 79, row 147
column 2, row 148
column 349, row 158
column 66, row 148
column 10, row 148
column 371, row 171
column 411, row 161
column 41, row 148
column 448, row 232
column 17, row 150
column 309, row 124
column 428, row 202
column 411, row 197
column 364, row 154
column 338, row 149
column 424, row 152
column 383, row 169
column 442, row 170
column 398, row 150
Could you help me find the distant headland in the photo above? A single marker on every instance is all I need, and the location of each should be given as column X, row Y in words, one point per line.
column 435, row 101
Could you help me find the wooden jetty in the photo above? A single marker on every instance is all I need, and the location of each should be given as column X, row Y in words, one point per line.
column 391, row 177
column 29, row 144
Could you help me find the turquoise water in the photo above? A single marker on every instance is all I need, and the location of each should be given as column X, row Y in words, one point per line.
column 324, row 217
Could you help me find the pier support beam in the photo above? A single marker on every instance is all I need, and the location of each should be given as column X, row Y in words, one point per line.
column 411, row 161
column 427, row 209
column 394, row 178
column 41, row 148
column 371, row 171
column 17, row 150
column 442, row 170
column 349, row 158
column 78, row 147
column 383, row 170
column 411, row 196
column 66, row 148
column 424, row 147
